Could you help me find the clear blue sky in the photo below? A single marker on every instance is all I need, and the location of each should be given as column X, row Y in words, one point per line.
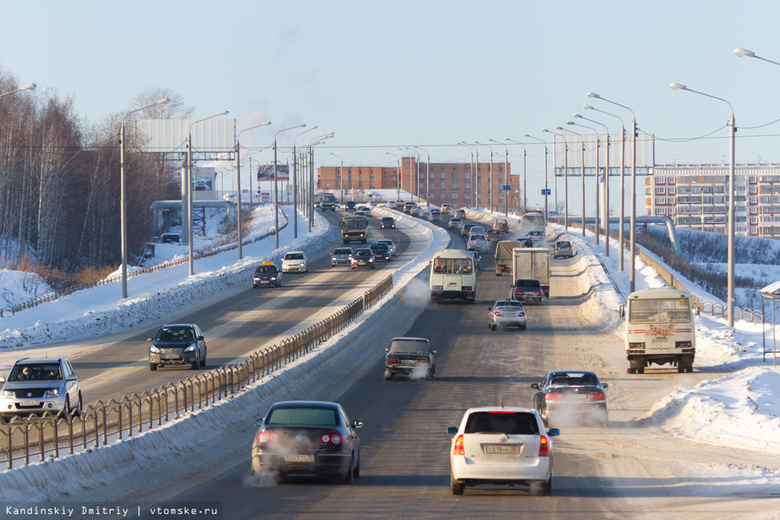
column 427, row 73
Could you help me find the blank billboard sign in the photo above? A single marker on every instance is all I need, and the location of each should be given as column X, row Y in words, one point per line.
column 212, row 136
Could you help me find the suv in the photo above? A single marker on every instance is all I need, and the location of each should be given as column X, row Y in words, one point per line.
column 526, row 291
column 266, row 274
column 35, row 386
column 180, row 344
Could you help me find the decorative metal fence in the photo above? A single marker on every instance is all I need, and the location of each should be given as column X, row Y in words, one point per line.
column 99, row 424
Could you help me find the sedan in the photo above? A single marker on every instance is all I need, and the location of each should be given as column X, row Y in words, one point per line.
column 507, row 313
column 525, row 290
column 180, row 344
column 295, row 261
column 569, row 395
column 411, row 357
column 493, row 236
column 465, row 230
column 455, row 223
column 477, row 243
column 362, row 257
column 503, row 446
column 340, row 256
column 307, row 438
column 266, row 275
column 381, row 251
column 389, row 243
column 387, row 222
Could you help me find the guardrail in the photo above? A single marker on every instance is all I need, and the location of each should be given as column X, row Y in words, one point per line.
column 164, row 265
column 101, row 424
column 704, row 306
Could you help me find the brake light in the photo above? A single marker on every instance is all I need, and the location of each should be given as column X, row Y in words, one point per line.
column 392, row 360
column 550, row 397
column 496, row 313
column 596, row 396
column 520, row 314
column 331, row 438
column 422, row 360
column 264, row 437
column 544, row 446
column 458, row 449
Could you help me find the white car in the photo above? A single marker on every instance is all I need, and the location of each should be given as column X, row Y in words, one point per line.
column 535, row 236
column 389, row 243
column 365, row 209
column 478, row 243
column 477, row 230
column 455, row 223
column 434, row 215
column 295, row 261
column 503, row 446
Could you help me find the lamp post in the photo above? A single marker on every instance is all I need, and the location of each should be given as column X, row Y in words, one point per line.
column 632, row 270
column 490, row 175
column 596, row 211
column 238, row 184
column 295, row 182
column 566, row 178
column 605, row 206
column 314, row 142
column 416, row 185
column 471, row 161
column 31, row 86
column 506, row 176
column 732, row 202
column 122, row 183
column 341, row 176
column 622, row 180
column 582, row 171
column 546, row 212
column 476, row 172
column 276, row 186
column 525, row 177
column 427, row 177
column 191, row 251
column 750, row 54
column 397, row 177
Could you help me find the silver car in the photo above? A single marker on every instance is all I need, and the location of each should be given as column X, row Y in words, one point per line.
column 389, row 243
column 36, row 386
column 477, row 243
column 340, row 256
column 507, row 313
column 179, row 344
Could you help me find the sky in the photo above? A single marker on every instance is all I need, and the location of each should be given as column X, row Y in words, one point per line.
column 385, row 75
column 737, row 407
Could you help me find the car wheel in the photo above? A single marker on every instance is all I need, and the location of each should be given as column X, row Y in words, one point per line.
column 256, row 466
column 689, row 369
column 196, row 364
column 388, row 376
column 349, row 477
column 457, row 487
column 203, row 361
column 640, row 370
column 493, row 326
column 66, row 409
column 522, row 328
column 80, row 404
column 152, row 367
column 542, row 488
column 356, row 471
column 680, row 369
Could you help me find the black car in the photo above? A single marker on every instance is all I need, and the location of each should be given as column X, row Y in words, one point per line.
column 573, row 395
column 266, row 275
column 178, row 344
column 307, row 438
column 381, row 251
column 464, row 231
column 387, row 222
column 351, row 205
column 362, row 257
column 527, row 242
column 525, row 290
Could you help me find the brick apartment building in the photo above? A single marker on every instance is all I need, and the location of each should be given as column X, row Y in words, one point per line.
column 695, row 196
column 452, row 183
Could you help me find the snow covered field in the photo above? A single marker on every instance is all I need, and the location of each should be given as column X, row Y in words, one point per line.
column 729, row 411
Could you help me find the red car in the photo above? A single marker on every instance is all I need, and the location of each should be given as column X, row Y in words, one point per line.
column 387, row 222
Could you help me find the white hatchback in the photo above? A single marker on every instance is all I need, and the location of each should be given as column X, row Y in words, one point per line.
column 503, row 446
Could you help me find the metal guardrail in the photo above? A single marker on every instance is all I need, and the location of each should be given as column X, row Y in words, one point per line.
column 165, row 265
column 102, row 423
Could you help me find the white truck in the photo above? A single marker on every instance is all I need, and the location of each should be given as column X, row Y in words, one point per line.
column 660, row 329
column 532, row 263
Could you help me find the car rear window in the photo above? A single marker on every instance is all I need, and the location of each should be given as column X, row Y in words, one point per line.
column 573, row 380
column 408, row 346
column 302, row 417
column 563, row 244
column 510, row 423
column 527, row 283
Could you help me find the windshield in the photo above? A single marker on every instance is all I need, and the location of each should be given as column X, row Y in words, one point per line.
column 405, row 345
column 363, row 252
column 266, row 269
column 669, row 310
column 175, row 334
column 293, row 256
column 302, row 417
column 342, row 252
column 35, row 372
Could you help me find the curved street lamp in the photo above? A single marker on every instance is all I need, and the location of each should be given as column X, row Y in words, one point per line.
column 427, row 176
column 566, row 185
column 605, row 206
column 276, row 186
column 546, row 190
column 476, row 171
column 397, row 177
column 525, row 177
column 598, row 144
column 29, row 86
column 506, row 175
column 732, row 202
column 122, row 185
column 238, row 184
column 582, row 170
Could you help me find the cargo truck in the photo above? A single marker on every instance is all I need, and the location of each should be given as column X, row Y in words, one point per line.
column 532, row 263
column 504, row 256
column 328, row 202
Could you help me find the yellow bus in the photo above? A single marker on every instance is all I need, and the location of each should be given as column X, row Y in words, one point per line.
column 354, row 227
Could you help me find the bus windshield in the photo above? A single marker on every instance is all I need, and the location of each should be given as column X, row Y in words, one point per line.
column 669, row 310
column 354, row 223
column 452, row 265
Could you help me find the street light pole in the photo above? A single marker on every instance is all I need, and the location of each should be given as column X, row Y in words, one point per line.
column 546, row 212
column 732, row 201
column 506, row 176
column 605, row 206
column 427, row 176
column 29, row 86
column 632, row 270
column 238, row 184
column 276, row 186
column 565, row 167
column 191, row 252
column 582, row 171
column 122, row 182
column 525, row 176
column 476, row 172
column 490, row 175
column 341, row 176
column 397, row 177
column 295, row 182
column 596, row 212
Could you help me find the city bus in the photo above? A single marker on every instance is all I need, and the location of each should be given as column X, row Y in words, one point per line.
column 532, row 221
column 453, row 276
column 353, row 227
column 659, row 329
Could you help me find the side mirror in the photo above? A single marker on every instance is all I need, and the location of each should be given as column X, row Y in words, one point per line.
column 259, row 422
column 535, row 385
column 452, row 430
column 605, row 385
column 554, row 432
column 622, row 311
column 387, row 349
column 149, row 340
column 357, row 424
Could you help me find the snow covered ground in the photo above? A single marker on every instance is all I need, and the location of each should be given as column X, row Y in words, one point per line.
column 737, row 409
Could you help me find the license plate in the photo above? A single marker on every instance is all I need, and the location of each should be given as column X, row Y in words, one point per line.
column 408, row 362
column 361, row 263
column 264, row 282
column 170, row 356
column 301, row 457
column 501, row 449
column 29, row 403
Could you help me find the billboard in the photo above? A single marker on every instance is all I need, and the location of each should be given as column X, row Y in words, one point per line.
column 265, row 172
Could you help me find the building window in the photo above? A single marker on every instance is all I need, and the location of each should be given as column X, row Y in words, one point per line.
column 660, row 191
column 455, row 186
column 443, row 185
column 660, row 180
column 467, row 175
column 466, row 185
column 454, row 196
column 671, row 191
column 455, row 175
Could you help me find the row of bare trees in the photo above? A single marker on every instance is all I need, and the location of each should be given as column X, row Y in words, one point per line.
column 60, row 180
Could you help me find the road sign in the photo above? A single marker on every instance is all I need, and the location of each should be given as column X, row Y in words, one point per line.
column 546, row 191
column 506, row 187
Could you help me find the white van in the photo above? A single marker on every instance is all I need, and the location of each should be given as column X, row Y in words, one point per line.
column 453, row 276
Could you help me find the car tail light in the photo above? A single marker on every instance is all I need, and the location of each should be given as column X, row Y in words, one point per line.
column 264, row 437
column 550, row 397
column 520, row 314
column 458, row 449
column 422, row 360
column 596, row 396
column 682, row 344
column 392, row 360
column 496, row 313
column 331, row 438
column 544, row 446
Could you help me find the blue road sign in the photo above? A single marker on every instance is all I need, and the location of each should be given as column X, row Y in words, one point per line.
column 506, row 187
column 546, row 191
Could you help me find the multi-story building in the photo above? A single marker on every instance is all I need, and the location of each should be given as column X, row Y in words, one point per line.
column 696, row 196
column 438, row 183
